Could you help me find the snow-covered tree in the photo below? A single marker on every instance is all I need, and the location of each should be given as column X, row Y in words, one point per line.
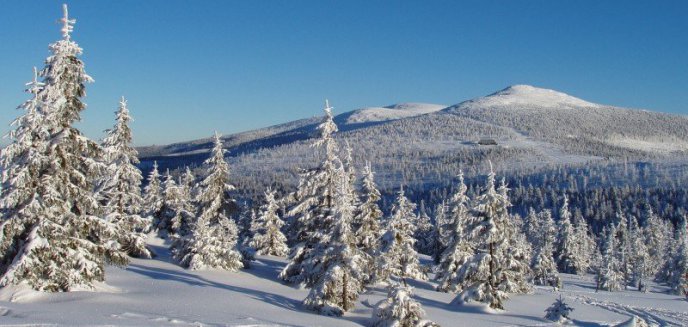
column 313, row 212
column 559, row 311
column 482, row 279
column 424, row 231
column 585, row 243
column 567, row 247
column 441, row 232
column 120, row 186
column 459, row 249
column 398, row 256
column 655, row 233
column 400, row 309
column 678, row 280
column 368, row 220
column 638, row 256
column 171, row 212
column 213, row 239
column 543, row 265
column 338, row 265
column 152, row 195
column 609, row 274
column 516, row 259
column 184, row 206
column 267, row 237
column 531, row 227
column 57, row 243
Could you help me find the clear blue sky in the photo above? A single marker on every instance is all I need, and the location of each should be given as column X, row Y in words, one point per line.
column 191, row 67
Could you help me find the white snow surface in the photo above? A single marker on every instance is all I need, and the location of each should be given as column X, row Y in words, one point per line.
column 393, row 112
column 527, row 96
column 157, row 292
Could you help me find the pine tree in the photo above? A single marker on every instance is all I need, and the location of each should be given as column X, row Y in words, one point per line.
column 120, row 187
column 267, row 238
column 184, row 209
column 152, row 197
column 57, row 243
column 338, row 268
column 559, row 311
column 213, row 239
column 313, row 212
column 398, row 256
column 655, row 239
column 515, row 263
column 400, row 309
column 610, row 276
column 585, row 244
column 369, row 215
column 532, row 228
column 459, row 249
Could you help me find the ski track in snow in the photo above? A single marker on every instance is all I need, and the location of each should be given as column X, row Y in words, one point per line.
column 653, row 316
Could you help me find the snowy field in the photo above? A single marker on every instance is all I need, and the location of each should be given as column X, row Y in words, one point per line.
column 159, row 293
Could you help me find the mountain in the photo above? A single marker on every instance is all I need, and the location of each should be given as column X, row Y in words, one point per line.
column 419, row 145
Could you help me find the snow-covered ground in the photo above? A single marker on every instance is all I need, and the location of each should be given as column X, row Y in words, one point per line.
column 159, row 293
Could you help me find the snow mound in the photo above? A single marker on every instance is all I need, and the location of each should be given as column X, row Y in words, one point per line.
column 392, row 112
column 527, row 96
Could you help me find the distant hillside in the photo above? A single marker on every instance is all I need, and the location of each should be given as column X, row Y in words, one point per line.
column 420, row 145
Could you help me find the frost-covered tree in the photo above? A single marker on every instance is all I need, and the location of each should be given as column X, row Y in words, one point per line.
column 184, row 206
column 655, row 237
column 120, row 186
column 400, row 309
column 170, row 213
column 152, row 195
column 516, row 260
column 609, row 275
column 338, row 265
column 559, row 311
column 213, row 239
column 313, row 212
column 543, row 265
column 459, row 249
column 23, row 162
column 531, row 227
column 568, row 257
column 585, row 243
column 424, row 231
column 368, row 220
column 398, row 256
column 267, row 237
column 441, row 232
column 485, row 277
column 638, row 256
column 52, row 238
column 678, row 280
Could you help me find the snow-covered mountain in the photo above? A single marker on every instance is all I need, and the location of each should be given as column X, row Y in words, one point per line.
column 393, row 112
column 416, row 144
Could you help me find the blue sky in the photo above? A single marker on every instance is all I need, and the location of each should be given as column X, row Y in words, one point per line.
column 191, row 67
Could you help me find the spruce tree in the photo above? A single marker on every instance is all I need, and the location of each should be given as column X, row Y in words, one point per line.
column 639, row 256
column 482, row 278
column 152, row 195
column 678, row 280
column 57, row 243
column 398, row 256
column 567, row 256
column 213, row 239
column 120, row 187
column 313, row 212
column 459, row 249
column 441, row 232
column 609, row 275
column 267, row 237
column 369, row 215
column 424, row 231
column 543, row 265
column 400, row 309
column 338, row 268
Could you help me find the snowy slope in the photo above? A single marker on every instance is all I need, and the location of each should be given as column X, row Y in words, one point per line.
column 528, row 96
column 393, row 112
column 159, row 293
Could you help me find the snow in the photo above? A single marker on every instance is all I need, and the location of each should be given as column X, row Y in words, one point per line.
column 393, row 112
column 158, row 292
column 527, row 96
